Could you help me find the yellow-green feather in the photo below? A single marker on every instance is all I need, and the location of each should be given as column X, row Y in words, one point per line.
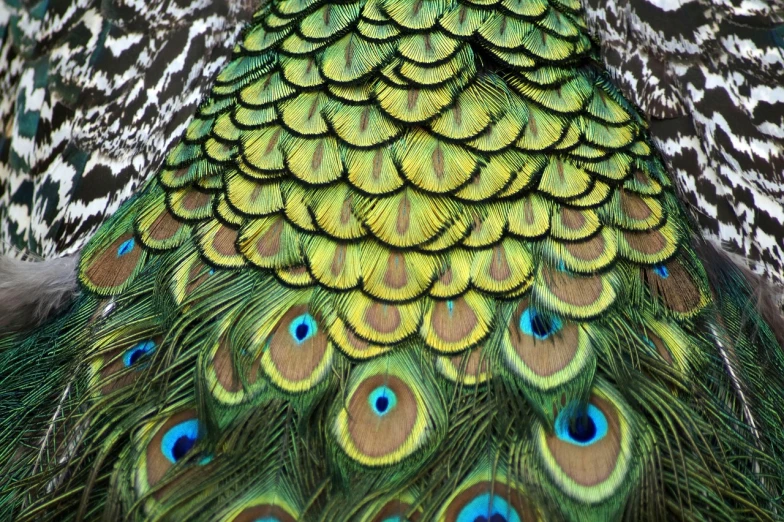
column 444, row 204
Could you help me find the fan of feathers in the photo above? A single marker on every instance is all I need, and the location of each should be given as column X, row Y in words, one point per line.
column 411, row 261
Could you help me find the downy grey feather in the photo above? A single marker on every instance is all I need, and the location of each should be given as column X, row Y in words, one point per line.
column 32, row 291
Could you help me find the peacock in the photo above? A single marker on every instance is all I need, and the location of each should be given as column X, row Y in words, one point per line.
column 411, row 260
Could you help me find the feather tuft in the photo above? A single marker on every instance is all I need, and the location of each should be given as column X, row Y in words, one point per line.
column 33, row 291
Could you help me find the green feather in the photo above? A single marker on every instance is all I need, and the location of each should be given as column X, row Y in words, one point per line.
column 411, row 260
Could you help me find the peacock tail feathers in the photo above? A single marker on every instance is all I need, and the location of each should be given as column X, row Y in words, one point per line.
column 410, row 261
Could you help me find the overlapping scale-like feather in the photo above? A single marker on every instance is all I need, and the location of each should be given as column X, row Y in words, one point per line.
column 429, row 229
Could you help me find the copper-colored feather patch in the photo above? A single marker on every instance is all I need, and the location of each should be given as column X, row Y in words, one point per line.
column 574, row 295
column 659, row 346
column 197, row 275
column 454, row 325
column 217, row 243
column 573, row 224
column 382, row 318
column 163, row 231
column 635, row 207
column 589, row 250
column 506, row 267
column 397, row 276
column 225, row 241
column 297, row 276
column 543, row 346
column 573, row 291
column 379, row 322
column 382, row 414
column 648, row 243
column 453, row 320
column 674, row 286
column 550, row 358
column 351, row 345
column 391, row 410
column 111, row 269
column 299, row 353
column 334, row 265
column 190, row 204
column 270, row 242
column 649, row 247
column 226, row 371
column 469, row 368
column 544, row 353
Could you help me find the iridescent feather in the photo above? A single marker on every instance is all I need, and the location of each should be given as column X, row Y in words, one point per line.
column 412, row 260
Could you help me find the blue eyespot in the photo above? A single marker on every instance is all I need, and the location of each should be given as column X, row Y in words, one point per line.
column 125, row 247
column 581, row 430
column 450, row 306
column 138, row 351
column 179, row 440
column 649, row 342
column 302, row 328
column 537, row 325
column 267, row 519
column 661, row 271
column 382, row 400
column 486, row 508
column 211, row 271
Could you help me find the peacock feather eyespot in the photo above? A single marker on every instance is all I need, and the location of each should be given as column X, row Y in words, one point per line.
column 166, row 446
column 487, row 507
column 109, row 263
column 382, row 400
column 179, row 440
column 126, row 247
column 391, row 411
column 137, row 352
column 590, row 452
column 582, row 429
column 486, row 496
column 537, row 325
column 302, row 328
column 298, row 354
column 661, row 271
column 553, row 357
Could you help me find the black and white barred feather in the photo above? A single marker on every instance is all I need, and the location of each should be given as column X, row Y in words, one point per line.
column 93, row 95
column 709, row 74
